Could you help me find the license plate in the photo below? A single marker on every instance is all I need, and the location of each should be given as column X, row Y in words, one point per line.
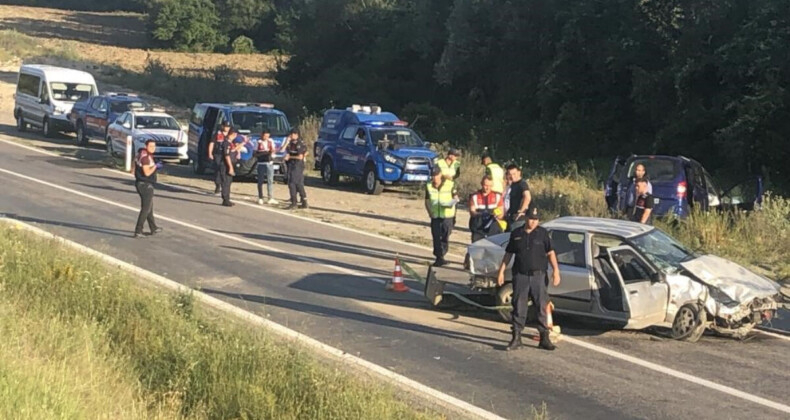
column 410, row 177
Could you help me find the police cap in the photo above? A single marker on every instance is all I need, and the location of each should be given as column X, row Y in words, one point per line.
column 453, row 151
column 436, row 170
column 533, row 213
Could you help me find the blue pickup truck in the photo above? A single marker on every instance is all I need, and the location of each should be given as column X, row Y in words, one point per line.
column 364, row 143
column 91, row 116
column 249, row 119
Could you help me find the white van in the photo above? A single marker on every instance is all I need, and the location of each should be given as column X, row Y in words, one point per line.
column 45, row 95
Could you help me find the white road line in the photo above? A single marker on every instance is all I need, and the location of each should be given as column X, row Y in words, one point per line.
column 317, row 346
column 621, row 356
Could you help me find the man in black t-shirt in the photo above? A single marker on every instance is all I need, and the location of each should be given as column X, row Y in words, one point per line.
column 295, row 152
column 520, row 197
column 643, row 204
column 144, row 179
column 533, row 250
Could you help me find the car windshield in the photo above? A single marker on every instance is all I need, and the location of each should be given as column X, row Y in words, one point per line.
column 123, row 106
column 657, row 170
column 662, row 250
column 158, row 122
column 70, row 92
column 394, row 138
column 255, row 122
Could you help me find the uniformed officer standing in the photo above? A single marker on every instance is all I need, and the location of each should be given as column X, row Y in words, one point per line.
column 145, row 178
column 440, row 200
column 532, row 247
column 221, row 135
column 295, row 152
column 220, row 152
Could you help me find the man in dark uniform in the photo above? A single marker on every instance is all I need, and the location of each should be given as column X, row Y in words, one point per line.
column 221, row 136
column 144, row 180
column 295, row 151
column 220, row 152
column 532, row 247
column 642, row 212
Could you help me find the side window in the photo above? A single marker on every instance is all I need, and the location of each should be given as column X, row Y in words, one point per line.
column 197, row 115
column 96, row 103
column 102, row 105
column 28, row 84
column 569, row 247
column 630, row 266
column 44, row 93
column 123, row 119
column 349, row 133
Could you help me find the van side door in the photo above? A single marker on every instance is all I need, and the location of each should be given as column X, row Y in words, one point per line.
column 646, row 296
column 27, row 97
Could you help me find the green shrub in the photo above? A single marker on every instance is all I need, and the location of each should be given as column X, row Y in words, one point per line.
column 242, row 45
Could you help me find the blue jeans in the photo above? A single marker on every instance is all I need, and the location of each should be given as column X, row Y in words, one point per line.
column 266, row 169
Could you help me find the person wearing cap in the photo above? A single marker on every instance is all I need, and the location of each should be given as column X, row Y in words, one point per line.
column 223, row 156
column 221, row 135
column 440, row 200
column 144, row 179
column 450, row 165
column 533, row 252
column 295, row 152
column 264, row 152
column 495, row 172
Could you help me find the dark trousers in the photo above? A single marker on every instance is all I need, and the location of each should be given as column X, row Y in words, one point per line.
column 217, row 177
column 524, row 287
column 296, row 180
column 225, row 180
column 440, row 232
column 146, row 191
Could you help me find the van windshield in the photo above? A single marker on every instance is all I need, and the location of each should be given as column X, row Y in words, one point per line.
column 70, row 92
column 394, row 138
column 255, row 122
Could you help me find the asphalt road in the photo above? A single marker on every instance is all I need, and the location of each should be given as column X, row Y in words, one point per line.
column 326, row 282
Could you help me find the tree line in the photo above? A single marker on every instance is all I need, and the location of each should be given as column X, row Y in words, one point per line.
column 549, row 80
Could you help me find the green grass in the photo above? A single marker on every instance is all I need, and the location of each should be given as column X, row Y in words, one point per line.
column 80, row 340
column 17, row 45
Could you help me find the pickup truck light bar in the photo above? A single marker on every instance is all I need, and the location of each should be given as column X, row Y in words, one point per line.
column 258, row 104
column 398, row 123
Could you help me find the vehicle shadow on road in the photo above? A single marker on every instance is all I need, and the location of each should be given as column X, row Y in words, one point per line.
column 333, row 246
column 98, row 229
column 379, row 321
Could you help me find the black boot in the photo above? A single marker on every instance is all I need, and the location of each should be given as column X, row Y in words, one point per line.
column 292, row 206
column 515, row 342
column 545, row 343
column 304, row 204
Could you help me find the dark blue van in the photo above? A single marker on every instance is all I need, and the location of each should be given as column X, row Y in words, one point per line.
column 679, row 184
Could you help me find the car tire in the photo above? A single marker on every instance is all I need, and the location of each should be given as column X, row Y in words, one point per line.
column 81, row 139
column 328, row 173
column 371, row 182
column 47, row 128
column 21, row 125
column 689, row 323
column 504, row 297
column 184, row 162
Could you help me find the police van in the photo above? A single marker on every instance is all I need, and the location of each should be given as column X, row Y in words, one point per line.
column 45, row 95
column 376, row 147
column 249, row 119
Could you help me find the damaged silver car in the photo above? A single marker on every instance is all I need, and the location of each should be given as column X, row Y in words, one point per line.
column 638, row 276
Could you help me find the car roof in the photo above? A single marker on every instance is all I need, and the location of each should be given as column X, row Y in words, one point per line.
column 622, row 228
column 59, row 74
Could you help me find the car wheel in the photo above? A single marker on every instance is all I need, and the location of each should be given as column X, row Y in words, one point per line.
column 689, row 324
column 372, row 184
column 21, row 125
column 328, row 173
column 81, row 139
column 47, row 128
column 504, row 297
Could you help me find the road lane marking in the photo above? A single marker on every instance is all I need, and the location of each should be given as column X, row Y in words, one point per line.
column 612, row 353
column 318, row 346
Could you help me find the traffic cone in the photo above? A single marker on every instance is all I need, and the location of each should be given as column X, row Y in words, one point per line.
column 397, row 284
column 554, row 330
column 549, row 319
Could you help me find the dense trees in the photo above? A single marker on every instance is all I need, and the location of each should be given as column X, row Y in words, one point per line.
column 553, row 80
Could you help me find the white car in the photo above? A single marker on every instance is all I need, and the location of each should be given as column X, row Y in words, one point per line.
column 144, row 125
column 637, row 276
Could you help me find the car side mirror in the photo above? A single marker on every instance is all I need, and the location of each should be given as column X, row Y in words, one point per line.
column 658, row 277
column 43, row 101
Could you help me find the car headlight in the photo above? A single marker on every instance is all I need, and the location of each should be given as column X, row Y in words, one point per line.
column 390, row 158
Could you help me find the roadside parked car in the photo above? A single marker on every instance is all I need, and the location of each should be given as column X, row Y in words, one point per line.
column 249, row 119
column 93, row 115
column 144, row 124
column 679, row 184
column 634, row 276
column 389, row 154
column 45, row 95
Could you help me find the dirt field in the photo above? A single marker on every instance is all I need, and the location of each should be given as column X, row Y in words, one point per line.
column 120, row 39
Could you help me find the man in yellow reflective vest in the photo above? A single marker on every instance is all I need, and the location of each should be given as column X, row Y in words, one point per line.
column 440, row 200
column 450, row 165
column 496, row 173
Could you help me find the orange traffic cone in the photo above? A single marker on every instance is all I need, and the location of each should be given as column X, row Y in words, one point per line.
column 549, row 320
column 397, row 284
